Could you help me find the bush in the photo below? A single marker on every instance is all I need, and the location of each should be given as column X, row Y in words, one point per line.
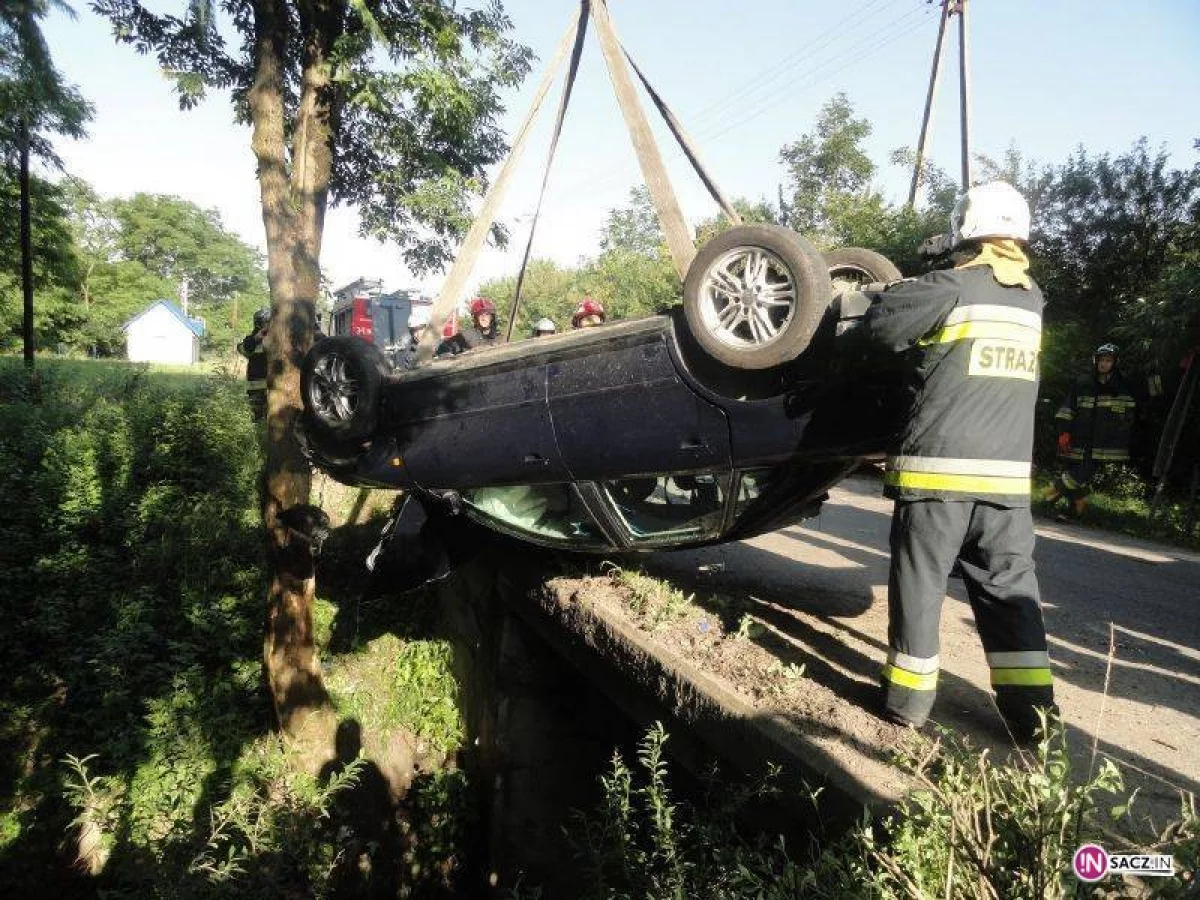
column 971, row 829
column 137, row 758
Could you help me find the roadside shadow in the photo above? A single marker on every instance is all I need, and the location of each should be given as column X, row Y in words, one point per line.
column 1147, row 597
column 364, row 820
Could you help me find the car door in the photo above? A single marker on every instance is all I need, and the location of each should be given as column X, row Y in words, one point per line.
column 621, row 410
column 464, row 428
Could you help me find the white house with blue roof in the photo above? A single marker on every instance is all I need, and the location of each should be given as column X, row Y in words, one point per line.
column 161, row 333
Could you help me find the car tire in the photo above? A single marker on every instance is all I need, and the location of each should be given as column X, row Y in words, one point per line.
column 754, row 296
column 852, row 267
column 340, row 385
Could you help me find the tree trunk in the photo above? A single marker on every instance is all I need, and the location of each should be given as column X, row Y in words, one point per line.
column 26, row 248
column 293, row 230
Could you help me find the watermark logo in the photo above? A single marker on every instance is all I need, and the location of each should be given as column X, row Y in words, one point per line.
column 1092, row 862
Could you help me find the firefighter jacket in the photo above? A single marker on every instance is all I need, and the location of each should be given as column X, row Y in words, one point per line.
column 974, row 345
column 1099, row 416
column 256, row 361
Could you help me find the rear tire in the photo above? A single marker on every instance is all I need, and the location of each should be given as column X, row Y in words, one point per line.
column 754, row 296
column 852, row 267
column 340, row 384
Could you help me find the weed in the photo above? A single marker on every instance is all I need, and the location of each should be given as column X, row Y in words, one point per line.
column 749, row 627
column 653, row 601
column 640, row 842
column 973, row 829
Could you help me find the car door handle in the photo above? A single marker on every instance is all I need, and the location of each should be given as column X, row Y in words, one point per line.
column 533, row 459
column 694, row 444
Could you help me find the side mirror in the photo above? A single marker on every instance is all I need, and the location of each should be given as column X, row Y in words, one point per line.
column 411, row 551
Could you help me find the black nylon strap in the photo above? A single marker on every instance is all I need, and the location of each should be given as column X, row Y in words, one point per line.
column 568, row 84
column 685, row 144
column 468, row 252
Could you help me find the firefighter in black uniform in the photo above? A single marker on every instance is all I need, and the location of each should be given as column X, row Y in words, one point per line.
column 1096, row 423
column 961, row 473
column 252, row 348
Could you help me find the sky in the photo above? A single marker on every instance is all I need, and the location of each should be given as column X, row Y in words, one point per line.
column 745, row 79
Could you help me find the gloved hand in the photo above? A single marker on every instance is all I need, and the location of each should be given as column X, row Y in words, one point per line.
column 933, row 247
column 1064, row 442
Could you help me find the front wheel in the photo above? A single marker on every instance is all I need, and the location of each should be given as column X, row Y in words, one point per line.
column 754, row 296
column 340, row 384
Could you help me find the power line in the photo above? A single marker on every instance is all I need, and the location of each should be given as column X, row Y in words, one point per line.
column 778, row 70
column 818, row 73
column 804, row 53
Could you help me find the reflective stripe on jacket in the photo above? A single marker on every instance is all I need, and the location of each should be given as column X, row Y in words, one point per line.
column 975, row 348
column 1099, row 416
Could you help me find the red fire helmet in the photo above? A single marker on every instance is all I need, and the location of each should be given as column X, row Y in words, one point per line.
column 588, row 307
column 481, row 305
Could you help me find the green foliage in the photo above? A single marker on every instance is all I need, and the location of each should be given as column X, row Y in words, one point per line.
column 55, row 263
column 413, row 100
column 32, row 91
column 633, row 228
column 389, row 684
column 641, row 842
column 134, row 731
column 653, row 601
column 101, row 261
column 759, row 212
column 829, row 173
column 176, row 241
column 1120, row 501
column 972, row 828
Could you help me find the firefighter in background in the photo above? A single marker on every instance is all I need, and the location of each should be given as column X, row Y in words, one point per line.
column 252, row 348
column 1096, row 423
column 452, row 342
column 483, row 330
column 483, row 321
column 588, row 314
column 960, row 475
column 544, row 327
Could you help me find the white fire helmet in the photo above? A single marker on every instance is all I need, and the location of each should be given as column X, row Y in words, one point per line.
column 992, row 210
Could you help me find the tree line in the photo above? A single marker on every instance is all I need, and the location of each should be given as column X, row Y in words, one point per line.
column 99, row 261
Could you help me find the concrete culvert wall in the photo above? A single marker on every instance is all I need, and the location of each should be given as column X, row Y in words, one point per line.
column 553, row 682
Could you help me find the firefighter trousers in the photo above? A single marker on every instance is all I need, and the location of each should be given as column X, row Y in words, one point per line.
column 994, row 545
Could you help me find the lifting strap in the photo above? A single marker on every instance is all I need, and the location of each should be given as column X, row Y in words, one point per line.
column 464, row 262
column 666, row 204
column 679, row 238
column 686, row 145
column 568, row 84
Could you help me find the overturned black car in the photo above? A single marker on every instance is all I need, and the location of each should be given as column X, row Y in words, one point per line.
column 726, row 418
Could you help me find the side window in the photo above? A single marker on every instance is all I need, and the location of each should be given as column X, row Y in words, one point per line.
column 751, row 485
column 544, row 513
column 669, row 509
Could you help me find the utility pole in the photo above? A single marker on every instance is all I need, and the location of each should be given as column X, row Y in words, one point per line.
column 927, row 116
column 964, row 92
column 949, row 8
